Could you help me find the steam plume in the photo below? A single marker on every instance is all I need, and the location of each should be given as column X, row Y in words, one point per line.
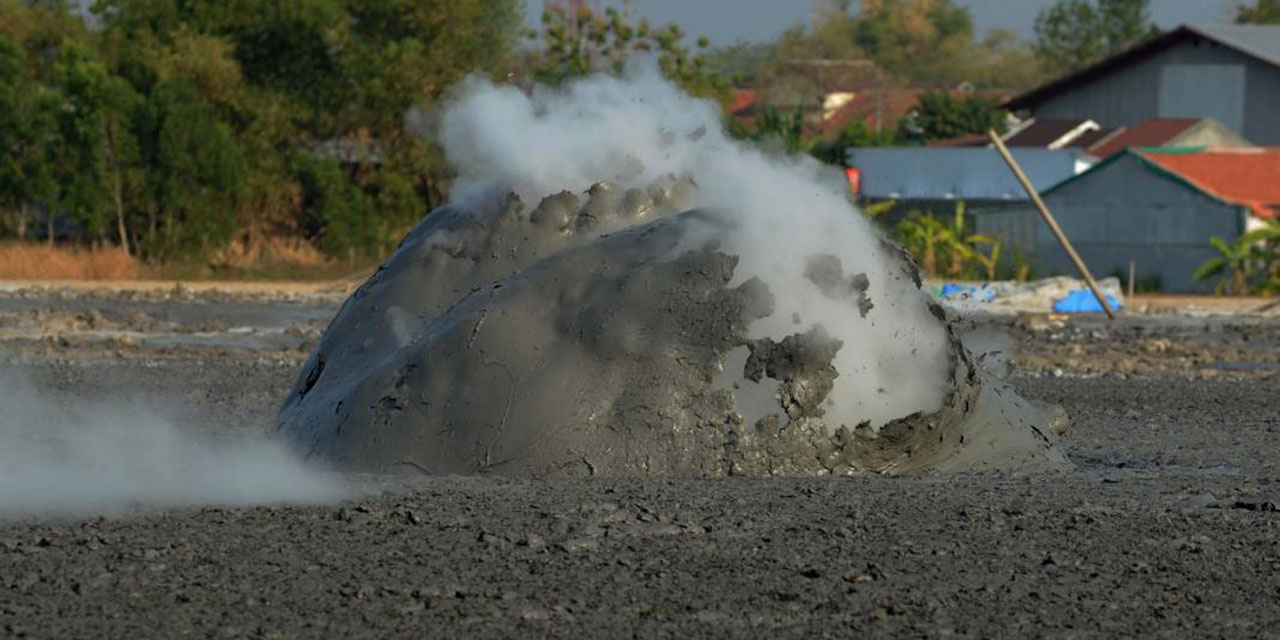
column 634, row 129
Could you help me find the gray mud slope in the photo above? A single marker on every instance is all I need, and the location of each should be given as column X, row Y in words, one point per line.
column 538, row 345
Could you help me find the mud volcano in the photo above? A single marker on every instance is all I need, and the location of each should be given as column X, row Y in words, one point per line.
column 605, row 333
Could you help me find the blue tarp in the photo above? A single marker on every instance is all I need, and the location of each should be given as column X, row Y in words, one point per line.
column 967, row 291
column 1083, row 301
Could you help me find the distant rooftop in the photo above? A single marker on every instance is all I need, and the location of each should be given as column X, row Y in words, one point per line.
column 1156, row 132
column 1247, row 177
column 1258, row 41
column 1057, row 134
column 1046, row 133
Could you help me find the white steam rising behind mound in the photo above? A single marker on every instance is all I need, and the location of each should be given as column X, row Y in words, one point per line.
column 635, row 129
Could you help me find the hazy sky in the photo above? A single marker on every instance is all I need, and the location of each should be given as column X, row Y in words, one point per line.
column 726, row 21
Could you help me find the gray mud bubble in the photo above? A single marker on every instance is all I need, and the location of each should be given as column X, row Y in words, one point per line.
column 604, row 334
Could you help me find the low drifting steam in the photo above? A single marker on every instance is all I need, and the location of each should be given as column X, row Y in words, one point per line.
column 72, row 458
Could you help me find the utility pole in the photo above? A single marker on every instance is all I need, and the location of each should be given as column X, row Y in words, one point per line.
column 1049, row 220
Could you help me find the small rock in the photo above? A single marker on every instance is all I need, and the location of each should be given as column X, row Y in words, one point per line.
column 1202, row 501
column 489, row 539
column 1263, row 506
column 574, row 545
column 871, row 574
column 533, row 541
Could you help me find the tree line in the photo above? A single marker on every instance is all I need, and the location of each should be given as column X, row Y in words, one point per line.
column 170, row 128
column 167, row 126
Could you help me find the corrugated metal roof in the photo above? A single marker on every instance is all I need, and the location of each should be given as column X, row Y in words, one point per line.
column 1044, row 132
column 1156, row 132
column 1259, row 41
column 963, row 173
column 1090, row 138
column 1080, row 133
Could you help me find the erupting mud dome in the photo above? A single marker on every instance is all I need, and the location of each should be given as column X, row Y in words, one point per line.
column 619, row 288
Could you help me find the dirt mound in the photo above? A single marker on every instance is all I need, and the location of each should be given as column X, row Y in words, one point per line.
column 606, row 335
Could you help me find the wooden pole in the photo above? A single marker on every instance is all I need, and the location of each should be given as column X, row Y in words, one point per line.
column 1049, row 220
column 1133, row 267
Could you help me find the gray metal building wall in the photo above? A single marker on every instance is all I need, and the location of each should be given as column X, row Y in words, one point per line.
column 1262, row 105
column 1164, row 86
column 1014, row 225
column 1121, row 212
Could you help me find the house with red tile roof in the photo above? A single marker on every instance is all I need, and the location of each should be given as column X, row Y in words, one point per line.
column 744, row 104
column 1248, row 178
column 879, row 108
column 1156, row 208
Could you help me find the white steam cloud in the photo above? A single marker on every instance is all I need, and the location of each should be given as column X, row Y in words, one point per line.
column 60, row 458
column 634, row 129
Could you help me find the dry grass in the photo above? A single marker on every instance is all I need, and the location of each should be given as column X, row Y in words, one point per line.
column 264, row 259
column 255, row 251
column 23, row 261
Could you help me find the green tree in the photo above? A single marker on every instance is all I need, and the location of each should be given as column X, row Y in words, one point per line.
column 777, row 130
column 577, row 40
column 918, row 39
column 41, row 27
column 283, row 77
column 742, row 62
column 195, row 172
column 1002, row 61
column 24, row 124
column 78, row 159
column 98, row 153
column 1260, row 12
column 1072, row 34
column 855, row 134
column 33, row 144
column 940, row 115
column 174, row 123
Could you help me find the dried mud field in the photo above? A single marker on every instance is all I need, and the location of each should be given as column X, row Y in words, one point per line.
column 1165, row 525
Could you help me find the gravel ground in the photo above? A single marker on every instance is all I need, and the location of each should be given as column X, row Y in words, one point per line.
column 1165, row 528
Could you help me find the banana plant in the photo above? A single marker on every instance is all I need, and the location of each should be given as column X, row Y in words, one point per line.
column 921, row 234
column 949, row 245
column 1252, row 262
column 989, row 260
